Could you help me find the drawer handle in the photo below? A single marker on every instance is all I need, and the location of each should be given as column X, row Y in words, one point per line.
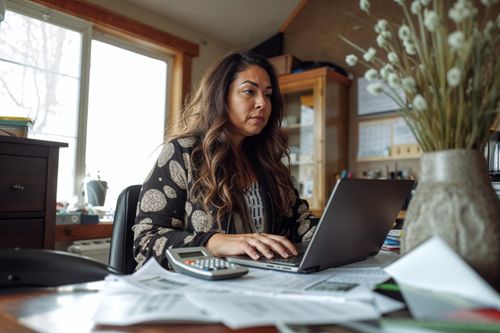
column 18, row 187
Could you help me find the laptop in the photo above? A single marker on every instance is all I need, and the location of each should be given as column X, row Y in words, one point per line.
column 353, row 227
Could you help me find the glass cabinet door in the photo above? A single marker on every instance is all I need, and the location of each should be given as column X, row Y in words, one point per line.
column 315, row 121
column 298, row 124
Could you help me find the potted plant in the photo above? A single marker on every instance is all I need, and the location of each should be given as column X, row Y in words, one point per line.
column 442, row 66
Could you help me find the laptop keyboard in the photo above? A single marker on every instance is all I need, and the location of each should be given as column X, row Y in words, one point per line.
column 290, row 261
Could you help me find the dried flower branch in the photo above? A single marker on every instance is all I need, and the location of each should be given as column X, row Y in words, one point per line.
column 450, row 79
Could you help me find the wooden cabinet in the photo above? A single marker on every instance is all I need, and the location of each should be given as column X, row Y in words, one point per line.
column 316, row 121
column 28, row 185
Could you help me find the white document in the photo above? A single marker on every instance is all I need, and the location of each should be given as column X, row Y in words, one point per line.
column 247, row 311
column 401, row 133
column 374, row 139
column 134, row 308
column 434, row 266
column 365, row 276
column 386, row 304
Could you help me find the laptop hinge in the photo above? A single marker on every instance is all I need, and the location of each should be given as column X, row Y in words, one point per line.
column 310, row 270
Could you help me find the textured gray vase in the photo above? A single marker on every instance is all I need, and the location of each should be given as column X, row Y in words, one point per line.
column 454, row 200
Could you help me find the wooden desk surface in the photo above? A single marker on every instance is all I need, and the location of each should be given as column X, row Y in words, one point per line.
column 73, row 311
column 14, row 306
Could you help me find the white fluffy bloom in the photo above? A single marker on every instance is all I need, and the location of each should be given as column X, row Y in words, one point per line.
column 409, row 47
column 419, row 103
column 381, row 41
column 488, row 3
column 370, row 54
column 456, row 40
column 416, row 6
column 404, row 32
column 351, row 60
column 371, row 74
column 364, row 5
column 425, row 2
column 489, row 28
column 375, row 88
column 386, row 70
column 461, row 10
column 454, row 76
column 430, row 20
column 393, row 80
column 381, row 25
column 409, row 85
column 393, row 57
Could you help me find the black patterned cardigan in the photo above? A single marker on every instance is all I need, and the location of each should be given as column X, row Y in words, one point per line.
column 167, row 217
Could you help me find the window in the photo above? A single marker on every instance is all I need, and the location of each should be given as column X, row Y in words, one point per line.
column 125, row 116
column 105, row 97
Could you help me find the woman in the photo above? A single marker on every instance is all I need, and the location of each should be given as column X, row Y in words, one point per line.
column 220, row 181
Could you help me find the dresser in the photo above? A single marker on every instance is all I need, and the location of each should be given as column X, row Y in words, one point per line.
column 28, row 186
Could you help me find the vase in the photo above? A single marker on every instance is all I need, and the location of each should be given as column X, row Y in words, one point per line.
column 454, row 199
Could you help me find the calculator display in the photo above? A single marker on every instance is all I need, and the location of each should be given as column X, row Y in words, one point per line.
column 191, row 254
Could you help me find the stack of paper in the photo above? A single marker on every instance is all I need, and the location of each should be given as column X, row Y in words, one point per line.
column 393, row 241
column 260, row 298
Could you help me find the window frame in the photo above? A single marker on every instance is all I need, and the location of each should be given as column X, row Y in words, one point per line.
column 94, row 22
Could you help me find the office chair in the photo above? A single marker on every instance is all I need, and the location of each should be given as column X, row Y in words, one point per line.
column 30, row 268
column 121, row 253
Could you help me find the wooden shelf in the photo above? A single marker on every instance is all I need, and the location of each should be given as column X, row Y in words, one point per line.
column 72, row 232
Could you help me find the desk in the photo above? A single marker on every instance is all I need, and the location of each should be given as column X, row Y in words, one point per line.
column 72, row 232
column 24, row 303
column 15, row 305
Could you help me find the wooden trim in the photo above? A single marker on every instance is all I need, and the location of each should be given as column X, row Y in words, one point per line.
column 50, row 197
column 109, row 19
column 181, row 84
column 293, row 15
column 317, row 72
column 72, row 232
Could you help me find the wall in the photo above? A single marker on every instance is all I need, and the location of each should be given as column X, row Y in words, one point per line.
column 211, row 48
column 314, row 35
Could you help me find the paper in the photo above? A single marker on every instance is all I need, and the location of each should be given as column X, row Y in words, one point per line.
column 434, row 266
column 401, row 133
column 374, row 139
column 247, row 311
column 367, row 276
column 154, row 294
column 134, row 308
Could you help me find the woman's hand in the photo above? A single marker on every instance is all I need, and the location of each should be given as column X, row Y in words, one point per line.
column 253, row 245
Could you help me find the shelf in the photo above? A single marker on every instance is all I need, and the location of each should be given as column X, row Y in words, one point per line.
column 296, row 127
column 71, row 232
column 296, row 164
column 388, row 158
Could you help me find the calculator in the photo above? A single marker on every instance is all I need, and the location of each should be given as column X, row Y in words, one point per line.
column 198, row 262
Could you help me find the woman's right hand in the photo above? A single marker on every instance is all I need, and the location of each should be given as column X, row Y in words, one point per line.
column 254, row 245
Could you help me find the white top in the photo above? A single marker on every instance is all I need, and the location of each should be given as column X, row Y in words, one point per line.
column 255, row 206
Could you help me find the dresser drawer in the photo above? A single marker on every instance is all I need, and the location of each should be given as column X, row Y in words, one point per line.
column 22, row 183
column 27, row 233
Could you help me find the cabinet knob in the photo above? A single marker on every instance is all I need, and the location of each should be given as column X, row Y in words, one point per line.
column 18, row 187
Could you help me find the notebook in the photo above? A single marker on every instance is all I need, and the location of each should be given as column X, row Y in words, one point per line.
column 353, row 227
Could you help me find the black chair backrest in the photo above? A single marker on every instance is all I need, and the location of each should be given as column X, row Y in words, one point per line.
column 26, row 268
column 121, row 252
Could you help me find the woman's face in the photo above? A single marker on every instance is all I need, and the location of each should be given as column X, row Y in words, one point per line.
column 249, row 103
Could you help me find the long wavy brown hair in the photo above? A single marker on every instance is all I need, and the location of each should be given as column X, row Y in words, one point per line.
column 205, row 117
